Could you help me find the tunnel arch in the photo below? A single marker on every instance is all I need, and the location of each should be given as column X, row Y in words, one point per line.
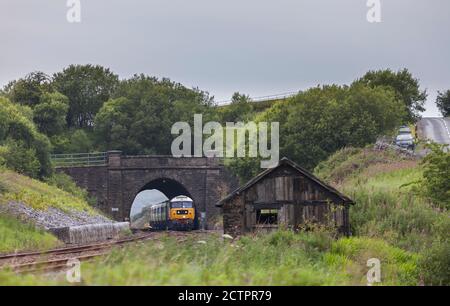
column 169, row 187
column 116, row 184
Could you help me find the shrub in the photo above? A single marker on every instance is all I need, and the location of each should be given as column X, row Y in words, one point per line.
column 14, row 155
column 436, row 176
column 50, row 114
column 15, row 126
column 65, row 182
column 435, row 264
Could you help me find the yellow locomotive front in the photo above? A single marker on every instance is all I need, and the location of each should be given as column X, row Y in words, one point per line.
column 181, row 213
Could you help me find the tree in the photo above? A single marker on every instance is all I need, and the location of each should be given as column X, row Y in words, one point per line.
column 15, row 155
column 28, row 91
column 50, row 114
column 316, row 123
column 80, row 142
column 87, row 88
column 19, row 134
column 139, row 118
column 406, row 87
column 443, row 103
column 240, row 109
column 436, row 183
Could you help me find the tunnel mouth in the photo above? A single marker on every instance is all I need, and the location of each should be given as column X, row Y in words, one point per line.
column 170, row 189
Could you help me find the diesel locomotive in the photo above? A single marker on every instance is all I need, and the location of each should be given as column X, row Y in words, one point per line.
column 176, row 214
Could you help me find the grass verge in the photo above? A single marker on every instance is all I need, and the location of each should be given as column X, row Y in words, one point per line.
column 15, row 236
column 279, row 258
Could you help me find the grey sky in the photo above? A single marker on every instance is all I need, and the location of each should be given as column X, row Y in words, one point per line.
column 146, row 198
column 257, row 47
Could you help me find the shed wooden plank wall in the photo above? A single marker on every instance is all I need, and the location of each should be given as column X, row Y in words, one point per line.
column 299, row 201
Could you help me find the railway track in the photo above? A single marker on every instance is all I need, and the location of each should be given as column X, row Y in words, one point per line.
column 57, row 259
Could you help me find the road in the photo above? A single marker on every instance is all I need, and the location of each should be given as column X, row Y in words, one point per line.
column 435, row 129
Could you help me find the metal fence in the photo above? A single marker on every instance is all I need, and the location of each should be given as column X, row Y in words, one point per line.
column 282, row 96
column 79, row 159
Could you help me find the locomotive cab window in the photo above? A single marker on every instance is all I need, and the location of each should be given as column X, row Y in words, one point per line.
column 181, row 204
column 267, row 216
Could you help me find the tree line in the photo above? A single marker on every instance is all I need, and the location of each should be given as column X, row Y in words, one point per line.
column 87, row 108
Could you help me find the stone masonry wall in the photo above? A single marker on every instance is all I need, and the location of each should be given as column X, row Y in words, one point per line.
column 116, row 185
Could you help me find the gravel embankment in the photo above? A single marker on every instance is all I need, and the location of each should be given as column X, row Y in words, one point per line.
column 52, row 217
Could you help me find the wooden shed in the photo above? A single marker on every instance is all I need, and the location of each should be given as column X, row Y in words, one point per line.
column 284, row 195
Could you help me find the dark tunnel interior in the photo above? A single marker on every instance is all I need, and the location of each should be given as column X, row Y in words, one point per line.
column 169, row 187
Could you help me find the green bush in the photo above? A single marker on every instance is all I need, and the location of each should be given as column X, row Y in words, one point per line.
column 50, row 114
column 65, row 182
column 435, row 264
column 80, row 142
column 436, row 176
column 17, row 127
column 14, row 155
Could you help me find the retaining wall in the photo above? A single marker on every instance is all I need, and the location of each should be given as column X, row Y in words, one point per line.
column 90, row 233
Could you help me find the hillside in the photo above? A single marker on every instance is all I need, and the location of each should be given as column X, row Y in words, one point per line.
column 389, row 221
column 388, row 206
column 16, row 235
column 29, row 206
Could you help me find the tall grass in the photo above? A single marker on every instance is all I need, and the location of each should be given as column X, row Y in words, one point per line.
column 386, row 205
column 387, row 208
column 279, row 258
column 15, row 235
column 37, row 194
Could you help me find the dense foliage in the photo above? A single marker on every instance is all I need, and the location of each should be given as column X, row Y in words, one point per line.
column 436, row 176
column 405, row 86
column 443, row 103
column 316, row 123
column 87, row 88
column 140, row 116
column 22, row 147
column 240, row 109
column 86, row 108
column 28, row 90
column 50, row 114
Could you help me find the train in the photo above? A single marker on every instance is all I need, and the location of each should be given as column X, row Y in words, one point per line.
column 176, row 214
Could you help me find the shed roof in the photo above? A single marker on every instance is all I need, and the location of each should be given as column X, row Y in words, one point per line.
column 285, row 161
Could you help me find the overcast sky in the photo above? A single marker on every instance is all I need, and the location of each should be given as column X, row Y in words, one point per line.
column 257, row 47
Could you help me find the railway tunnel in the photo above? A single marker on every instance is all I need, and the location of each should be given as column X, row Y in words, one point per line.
column 169, row 187
column 154, row 192
column 115, row 180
